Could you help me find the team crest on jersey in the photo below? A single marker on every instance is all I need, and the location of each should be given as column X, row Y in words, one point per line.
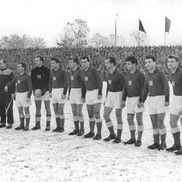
column 173, row 83
column 72, row 78
column 151, row 83
column 130, row 82
column 86, row 78
column 109, row 81
column 39, row 76
column 54, row 78
column 18, row 81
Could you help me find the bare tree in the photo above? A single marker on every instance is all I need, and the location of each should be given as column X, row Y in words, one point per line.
column 139, row 39
column 75, row 34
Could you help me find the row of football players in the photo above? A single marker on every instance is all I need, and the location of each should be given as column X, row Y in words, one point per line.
column 85, row 86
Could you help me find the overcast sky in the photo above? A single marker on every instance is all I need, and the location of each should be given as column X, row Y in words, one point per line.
column 47, row 18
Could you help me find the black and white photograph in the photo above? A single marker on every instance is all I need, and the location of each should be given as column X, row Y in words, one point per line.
column 90, row 90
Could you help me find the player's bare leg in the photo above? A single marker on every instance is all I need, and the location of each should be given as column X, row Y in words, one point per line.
column 48, row 114
column 97, row 117
column 38, row 104
column 132, row 127
column 162, row 130
column 90, row 109
column 155, row 145
column 21, row 116
column 118, row 113
column 27, row 118
column 139, row 118
column 109, row 124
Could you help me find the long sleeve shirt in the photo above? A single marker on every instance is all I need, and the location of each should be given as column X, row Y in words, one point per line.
column 92, row 80
column 156, row 84
column 134, row 85
column 40, row 77
column 23, row 84
column 176, row 80
column 59, row 79
column 6, row 76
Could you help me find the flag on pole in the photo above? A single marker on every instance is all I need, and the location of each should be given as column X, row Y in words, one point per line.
column 167, row 24
column 141, row 28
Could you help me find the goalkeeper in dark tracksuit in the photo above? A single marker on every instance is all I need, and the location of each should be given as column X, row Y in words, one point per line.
column 40, row 77
column 6, row 104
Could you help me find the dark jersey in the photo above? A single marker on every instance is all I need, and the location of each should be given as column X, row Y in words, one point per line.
column 91, row 79
column 156, row 84
column 115, row 81
column 176, row 80
column 23, row 84
column 40, row 77
column 59, row 79
column 134, row 85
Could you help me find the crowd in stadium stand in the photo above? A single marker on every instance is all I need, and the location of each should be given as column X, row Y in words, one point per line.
column 97, row 55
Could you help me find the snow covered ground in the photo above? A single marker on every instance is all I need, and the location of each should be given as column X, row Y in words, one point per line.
column 51, row 157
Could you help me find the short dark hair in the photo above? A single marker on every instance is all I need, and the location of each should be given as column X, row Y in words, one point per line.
column 55, row 59
column 40, row 57
column 75, row 60
column 174, row 57
column 87, row 58
column 151, row 57
column 112, row 60
column 132, row 59
column 23, row 65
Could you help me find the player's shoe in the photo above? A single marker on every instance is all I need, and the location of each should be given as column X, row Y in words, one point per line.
column 2, row 125
column 138, row 143
column 80, row 133
column 19, row 128
column 58, row 129
column 117, row 140
column 173, row 148
column 89, row 135
column 162, row 146
column 9, row 126
column 36, row 127
column 130, row 141
column 153, row 146
column 48, row 128
column 97, row 137
column 179, row 152
column 74, row 132
column 110, row 137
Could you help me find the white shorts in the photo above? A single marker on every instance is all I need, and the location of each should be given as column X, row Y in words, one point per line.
column 21, row 100
column 113, row 100
column 92, row 97
column 76, row 96
column 175, row 105
column 131, row 105
column 57, row 96
column 156, row 104
column 44, row 97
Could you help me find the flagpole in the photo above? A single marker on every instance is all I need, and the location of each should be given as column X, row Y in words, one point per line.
column 164, row 38
column 115, row 34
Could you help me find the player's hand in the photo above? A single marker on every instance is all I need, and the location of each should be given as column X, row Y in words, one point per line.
column 99, row 97
column 13, row 96
column 140, row 104
column 83, row 100
column 63, row 96
column 6, row 89
column 50, row 95
column 123, row 104
column 28, row 99
column 166, row 103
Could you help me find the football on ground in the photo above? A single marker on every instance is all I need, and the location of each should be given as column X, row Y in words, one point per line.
column 38, row 93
